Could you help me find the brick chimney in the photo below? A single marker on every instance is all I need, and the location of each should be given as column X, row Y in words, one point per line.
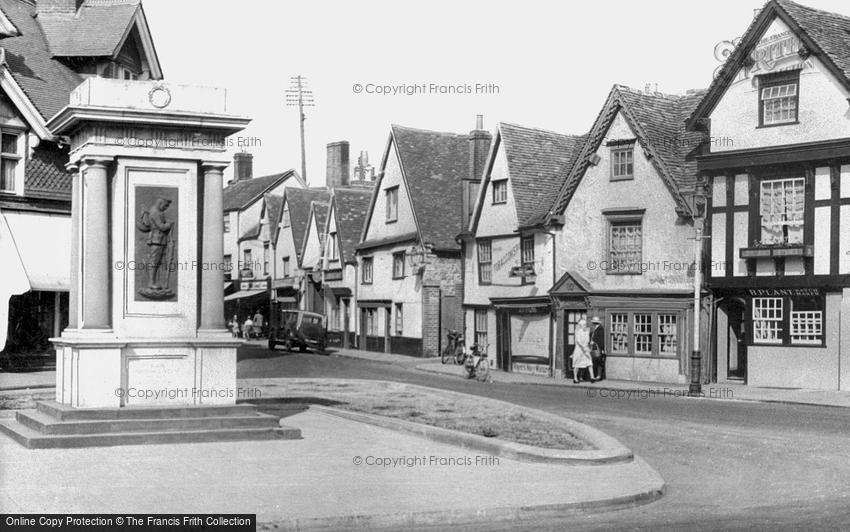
column 243, row 166
column 479, row 147
column 58, row 6
column 337, row 174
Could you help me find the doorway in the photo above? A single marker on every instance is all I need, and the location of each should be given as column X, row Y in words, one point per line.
column 571, row 319
column 736, row 346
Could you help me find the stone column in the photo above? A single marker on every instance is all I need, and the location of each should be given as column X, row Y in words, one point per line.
column 94, row 221
column 212, row 254
column 76, row 214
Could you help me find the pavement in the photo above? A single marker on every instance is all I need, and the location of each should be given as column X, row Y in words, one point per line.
column 343, row 474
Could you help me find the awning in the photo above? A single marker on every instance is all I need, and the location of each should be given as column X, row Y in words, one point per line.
column 374, row 303
column 43, row 243
column 286, row 299
column 243, row 294
column 527, row 304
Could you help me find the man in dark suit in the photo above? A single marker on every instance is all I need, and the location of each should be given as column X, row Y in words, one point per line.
column 597, row 336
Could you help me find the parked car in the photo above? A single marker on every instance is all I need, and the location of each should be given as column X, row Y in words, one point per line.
column 298, row 329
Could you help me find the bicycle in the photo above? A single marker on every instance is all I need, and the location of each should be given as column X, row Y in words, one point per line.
column 477, row 365
column 454, row 348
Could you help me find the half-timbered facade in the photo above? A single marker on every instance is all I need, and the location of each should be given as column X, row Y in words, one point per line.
column 779, row 210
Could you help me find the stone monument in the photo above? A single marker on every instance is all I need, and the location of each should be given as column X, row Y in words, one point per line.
column 146, row 324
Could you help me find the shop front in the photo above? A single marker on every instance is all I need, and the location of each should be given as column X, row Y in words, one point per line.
column 524, row 333
column 338, row 308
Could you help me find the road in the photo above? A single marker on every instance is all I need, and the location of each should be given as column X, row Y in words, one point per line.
column 728, row 465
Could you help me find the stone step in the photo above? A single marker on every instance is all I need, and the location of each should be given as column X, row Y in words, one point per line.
column 64, row 412
column 33, row 439
column 48, row 425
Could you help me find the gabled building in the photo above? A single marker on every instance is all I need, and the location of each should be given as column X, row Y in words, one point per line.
column 625, row 248
column 346, row 215
column 509, row 263
column 311, row 257
column 288, row 245
column 47, row 49
column 778, row 262
column 411, row 287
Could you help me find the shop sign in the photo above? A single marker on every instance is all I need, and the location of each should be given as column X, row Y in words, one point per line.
column 780, row 292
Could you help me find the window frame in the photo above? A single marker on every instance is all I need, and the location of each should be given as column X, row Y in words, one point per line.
column 399, row 257
column 620, row 222
column 266, row 256
column 629, row 328
column 488, row 243
column 17, row 157
column 391, row 206
column 286, row 271
column 364, row 262
column 398, row 321
column 775, row 79
column 786, row 322
column 781, row 179
column 479, row 333
column 619, row 149
column 523, row 262
column 502, row 185
column 333, row 251
column 226, row 223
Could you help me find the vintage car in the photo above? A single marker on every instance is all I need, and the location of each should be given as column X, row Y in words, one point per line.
column 298, row 328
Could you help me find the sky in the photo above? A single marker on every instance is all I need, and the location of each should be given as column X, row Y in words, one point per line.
column 536, row 63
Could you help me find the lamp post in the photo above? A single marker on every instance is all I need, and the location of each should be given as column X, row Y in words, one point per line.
column 699, row 202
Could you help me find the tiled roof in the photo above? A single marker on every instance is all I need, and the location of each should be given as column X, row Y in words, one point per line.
column 538, row 162
column 95, row 30
column 299, row 201
column 273, row 206
column 239, row 195
column 830, row 32
column 434, row 164
column 45, row 175
column 251, row 233
column 350, row 206
column 46, row 81
column 659, row 122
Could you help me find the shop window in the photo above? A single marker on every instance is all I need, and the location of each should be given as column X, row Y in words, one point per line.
column 485, row 261
column 806, row 320
column 372, row 322
column 668, row 334
column 779, row 98
column 643, row 334
column 625, row 247
column 366, row 265
column 398, row 265
column 9, row 161
column 782, row 207
column 336, row 321
column 622, row 163
column 399, row 320
column 790, row 320
column 500, row 191
column 619, row 333
column 767, row 320
column 392, row 204
column 481, row 328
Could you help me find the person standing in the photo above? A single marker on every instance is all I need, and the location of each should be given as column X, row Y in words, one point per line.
column 258, row 323
column 581, row 353
column 597, row 343
column 247, row 328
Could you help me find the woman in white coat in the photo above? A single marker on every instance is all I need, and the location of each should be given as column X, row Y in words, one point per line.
column 581, row 354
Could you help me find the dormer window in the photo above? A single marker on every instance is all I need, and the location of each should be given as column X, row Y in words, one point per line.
column 779, row 98
column 10, row 157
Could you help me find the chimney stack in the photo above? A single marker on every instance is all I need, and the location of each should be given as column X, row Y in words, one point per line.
column 479, row 147
column 58, row 6
column 243, row 166
column 337, row 166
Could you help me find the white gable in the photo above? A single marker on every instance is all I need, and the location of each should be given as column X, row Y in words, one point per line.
column 823, row 108
column 499, row 218
column 379, row 227
column 312, row 244
column 285, row 246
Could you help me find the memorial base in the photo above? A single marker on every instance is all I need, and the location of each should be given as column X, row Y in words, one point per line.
column 55, row 425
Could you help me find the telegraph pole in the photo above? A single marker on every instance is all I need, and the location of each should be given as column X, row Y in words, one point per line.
column 299, row 95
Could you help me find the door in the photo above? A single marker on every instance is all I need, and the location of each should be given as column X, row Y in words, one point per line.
column 346, row 308
column 737, row 341
column 364, row 330
column 571, row 319
column 448, row 318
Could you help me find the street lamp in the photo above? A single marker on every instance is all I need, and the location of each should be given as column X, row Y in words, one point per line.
column 699, row 202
